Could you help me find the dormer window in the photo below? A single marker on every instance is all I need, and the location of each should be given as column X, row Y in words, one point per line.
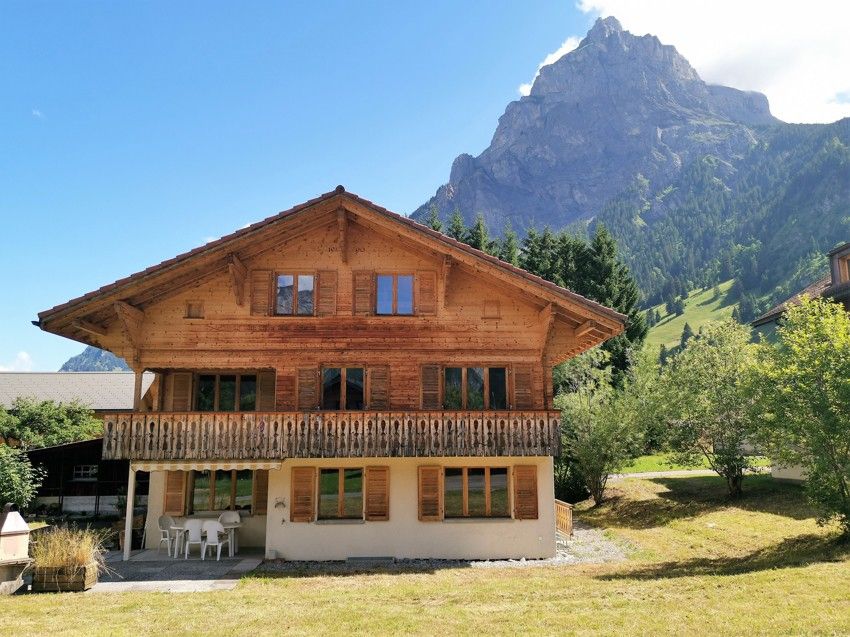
column 394, row 294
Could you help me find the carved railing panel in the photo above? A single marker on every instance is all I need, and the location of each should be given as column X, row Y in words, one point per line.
column 325, row 434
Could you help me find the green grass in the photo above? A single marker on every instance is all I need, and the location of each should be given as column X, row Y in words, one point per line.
column 664, row 462
column 698, row 564
column 701, row 306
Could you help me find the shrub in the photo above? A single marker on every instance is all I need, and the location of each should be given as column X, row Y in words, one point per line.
column 19, row 480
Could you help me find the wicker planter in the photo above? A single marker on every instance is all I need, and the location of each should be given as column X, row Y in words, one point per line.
column 60, row 579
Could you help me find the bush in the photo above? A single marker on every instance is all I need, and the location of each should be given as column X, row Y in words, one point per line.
column 46, row 423
column 19, row 480
column 569, row 483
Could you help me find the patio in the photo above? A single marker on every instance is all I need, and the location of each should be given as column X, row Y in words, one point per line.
column 153, row 571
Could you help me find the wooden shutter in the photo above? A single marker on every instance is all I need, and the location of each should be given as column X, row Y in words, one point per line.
column 265, row 391
column 379, row 387
column 523, row 382
column 181, row 391
column 377, row 493
column 430, row 494
column 174, row 502
column 303, row 494
column 363, row 297
column 261, row 292
column 326, row 304
column 260, row 492
column 426, row 293
column 308, row 388
column 525, row 492
column 431, row 387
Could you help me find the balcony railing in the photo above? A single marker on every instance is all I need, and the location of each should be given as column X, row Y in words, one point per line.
column 329, row 434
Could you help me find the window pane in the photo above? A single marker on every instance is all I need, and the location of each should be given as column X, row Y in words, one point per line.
column 244, row 487
column 499, row 492
column 284, row 293
column 328, row 493
column 354, row 388
column 476, row 502
column 353, row 493
column 385, row 294
column 305, row 294
column 404, row 301
column 475, row 388
column 201, row 492
column 248, row 393
column 223, row 480
column 453, row 398
column 331, row 379
column 453, row 494
column 227, row 393
column 498, row 388
column 206, row 393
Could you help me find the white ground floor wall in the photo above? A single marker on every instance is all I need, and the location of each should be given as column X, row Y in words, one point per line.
column 403, row 535
column 790, row 474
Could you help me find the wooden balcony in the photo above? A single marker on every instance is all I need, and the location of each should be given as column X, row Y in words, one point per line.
column 329, row 434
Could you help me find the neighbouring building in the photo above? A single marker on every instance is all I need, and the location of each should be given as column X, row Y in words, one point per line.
column 77, row 479
column 834, row 286
column 354, row 383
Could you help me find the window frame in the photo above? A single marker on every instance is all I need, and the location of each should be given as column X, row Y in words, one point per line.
column 340, row 504
column 464, row 386
column 196, row 386
column 395, row 276
column 487, row 493
column 343, row 371
column 294, row 274
column 89, row 472
column 190, row 491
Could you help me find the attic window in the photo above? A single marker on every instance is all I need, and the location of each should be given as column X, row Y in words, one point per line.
column 194, row 310
column 491, row 310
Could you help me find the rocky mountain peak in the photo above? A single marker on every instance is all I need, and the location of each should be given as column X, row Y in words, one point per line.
column 602, row 28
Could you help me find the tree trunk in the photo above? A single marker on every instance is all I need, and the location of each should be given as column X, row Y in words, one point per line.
column 735, row 483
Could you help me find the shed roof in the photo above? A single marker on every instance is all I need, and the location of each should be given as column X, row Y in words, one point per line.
column 101, row 391
column 813, row 291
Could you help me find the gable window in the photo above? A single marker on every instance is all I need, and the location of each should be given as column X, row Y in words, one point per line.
column 394, row 294
column 226, row 392
column 220, row 490
column 84, row 473
column 475, row 388
column 343, row 388
column 476, row 492
column 295, row 295
column 341, row 494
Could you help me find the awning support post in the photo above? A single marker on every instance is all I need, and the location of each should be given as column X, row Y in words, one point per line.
column 128, row 520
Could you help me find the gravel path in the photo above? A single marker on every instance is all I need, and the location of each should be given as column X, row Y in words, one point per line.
column 587, row 546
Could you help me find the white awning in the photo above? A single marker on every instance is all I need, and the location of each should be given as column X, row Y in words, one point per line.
column 203, row 465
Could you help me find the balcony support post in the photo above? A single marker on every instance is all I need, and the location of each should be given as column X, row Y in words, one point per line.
column 128, row 519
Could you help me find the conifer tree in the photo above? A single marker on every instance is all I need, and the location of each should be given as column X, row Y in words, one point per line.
column 531, row 258
column 687, row 334
column 509, row 246
column 433, row 221
column 457, row 229
column 478, row 237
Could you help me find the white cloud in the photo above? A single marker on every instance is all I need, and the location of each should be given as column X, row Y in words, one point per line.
column 22, row 363
column 37, row 113
column 797, row 54
column 208, row 239
column 566, row 46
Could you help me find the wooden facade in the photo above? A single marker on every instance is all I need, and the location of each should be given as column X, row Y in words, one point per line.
column 215, row 313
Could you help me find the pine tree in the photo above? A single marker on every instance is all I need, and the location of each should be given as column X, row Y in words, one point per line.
column 687, row 334
column 509, row 246
column 433, row 220
column 531, row 259
column 457, row 229
column 477, row 236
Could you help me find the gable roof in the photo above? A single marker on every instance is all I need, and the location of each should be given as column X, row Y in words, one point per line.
column 101, row 391
column 222, row 247
column 813, row 291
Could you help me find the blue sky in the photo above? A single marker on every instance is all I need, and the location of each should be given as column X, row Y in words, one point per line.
column 133, row 131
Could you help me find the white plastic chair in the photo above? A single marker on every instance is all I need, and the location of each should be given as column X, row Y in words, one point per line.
column 165, row 523
column 215, row 536
column 231, row 517
column 193, row 536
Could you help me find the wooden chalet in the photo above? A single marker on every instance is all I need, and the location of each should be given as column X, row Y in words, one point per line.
column 351, row 381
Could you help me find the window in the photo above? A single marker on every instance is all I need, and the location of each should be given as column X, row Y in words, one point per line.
column 475, row 388
column 194, row 309
column 295, row 294
column 476, row 492
column 220, row 490
column 84, row 472
column 394, row 294
column 226, row 392
column 343, row 388
column 340, row 494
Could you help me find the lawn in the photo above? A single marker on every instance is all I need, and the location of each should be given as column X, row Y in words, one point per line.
column 664, row 462
column 699, row 564
column 701, row 306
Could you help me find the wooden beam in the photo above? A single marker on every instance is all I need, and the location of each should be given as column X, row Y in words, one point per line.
column 447, row 270
column 131, row 319
column 88, row 326
column 342, row 228
column 238, row 275
column 584, row 328
column 547, row 321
